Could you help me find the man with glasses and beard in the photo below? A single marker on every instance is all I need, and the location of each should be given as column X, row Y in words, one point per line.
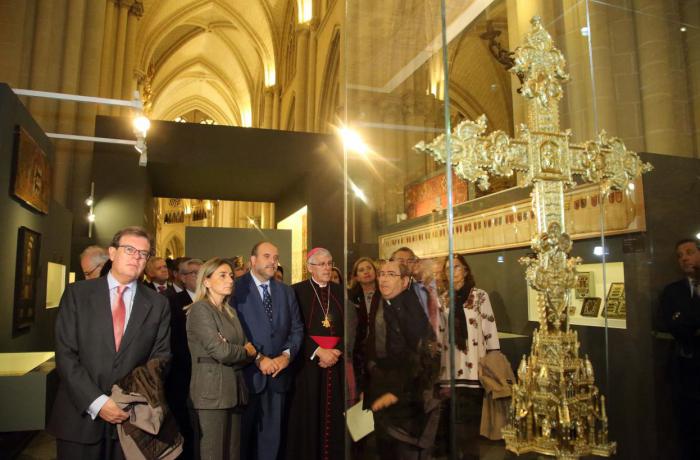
column 105, row 328
column 269, row 314
column 177, row 386
column 402, row 365
column 318, row 393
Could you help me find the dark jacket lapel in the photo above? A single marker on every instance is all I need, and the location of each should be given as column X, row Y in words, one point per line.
column 139, row 311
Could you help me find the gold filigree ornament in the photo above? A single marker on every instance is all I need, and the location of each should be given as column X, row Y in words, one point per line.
column 556, row 408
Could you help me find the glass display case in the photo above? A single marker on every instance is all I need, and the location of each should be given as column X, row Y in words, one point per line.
column 532, row 165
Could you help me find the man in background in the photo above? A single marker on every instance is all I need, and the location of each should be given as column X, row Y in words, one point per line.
column 680, row 312
column 92, row 259
column 177, row 385
column 403, row 372
column 158, row 276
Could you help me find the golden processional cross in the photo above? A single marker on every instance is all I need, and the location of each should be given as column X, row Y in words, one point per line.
column 556, row 407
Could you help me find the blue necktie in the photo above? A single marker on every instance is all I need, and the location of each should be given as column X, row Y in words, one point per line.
column 267, row 301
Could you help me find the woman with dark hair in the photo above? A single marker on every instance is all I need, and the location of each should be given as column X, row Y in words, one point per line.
column 475, row 335
column 364, row 293
column 336, row 276
column 219, row 350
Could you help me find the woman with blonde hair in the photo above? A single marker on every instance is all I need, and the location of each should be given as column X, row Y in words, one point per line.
column 219, row 350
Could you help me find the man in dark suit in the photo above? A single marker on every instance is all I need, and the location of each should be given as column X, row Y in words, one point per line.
column 159, row 276
column 680, row 312
column 270, row 317
column 177, row 386
column 402, row 371
column 105, row 328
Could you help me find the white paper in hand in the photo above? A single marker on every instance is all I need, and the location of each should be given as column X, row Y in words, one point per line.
column 360, row 422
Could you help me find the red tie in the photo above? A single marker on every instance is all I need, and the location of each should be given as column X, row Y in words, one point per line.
column 161, row 288
column 119, row 316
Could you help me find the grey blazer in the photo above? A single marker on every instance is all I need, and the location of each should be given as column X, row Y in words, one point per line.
column 217, row 379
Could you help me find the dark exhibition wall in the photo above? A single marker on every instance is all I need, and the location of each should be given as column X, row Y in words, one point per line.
column 291, row 169
column 54, row 229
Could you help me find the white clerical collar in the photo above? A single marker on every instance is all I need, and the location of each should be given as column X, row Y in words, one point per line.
column 319, row 284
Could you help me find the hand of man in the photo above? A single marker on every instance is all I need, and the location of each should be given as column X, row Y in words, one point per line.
column 282, row 362
column 328, row 357
column 267, row 366
column 250, row 349
column 384, row 401
column 111, row 413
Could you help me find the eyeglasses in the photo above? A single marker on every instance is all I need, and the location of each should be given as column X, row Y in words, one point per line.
column 389, row 274
column 193, row 272
column 323, row 264
column 132, row 251
column 91, row 271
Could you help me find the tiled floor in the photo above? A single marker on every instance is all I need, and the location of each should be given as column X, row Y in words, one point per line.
column 41, row 447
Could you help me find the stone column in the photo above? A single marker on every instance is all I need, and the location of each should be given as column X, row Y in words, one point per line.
column 267, row 110
column 70, row 76
column 300, row 79
column 690, row 14
column 120, row 48
column 129, row 76
column 276, row 107
column 107, row 67
column 665, row 113
column 311, row 79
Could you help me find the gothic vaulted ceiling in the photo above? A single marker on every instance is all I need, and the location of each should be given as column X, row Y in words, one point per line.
column 211, row 56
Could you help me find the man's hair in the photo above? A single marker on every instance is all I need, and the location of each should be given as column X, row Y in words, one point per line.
column 238, row 262
column 151, row 263
column 133, row 231
column 686, row 241
column 403, row 249
column 254, row 251
column 180, row 262
column 96, row 254
column 403, row 269
column 189, row 262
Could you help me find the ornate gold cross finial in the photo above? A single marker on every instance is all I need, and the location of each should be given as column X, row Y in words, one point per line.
column 557, row 409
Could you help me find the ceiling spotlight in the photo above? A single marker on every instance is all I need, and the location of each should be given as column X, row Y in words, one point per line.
column 697, row 235
column 141, row 125
column 683, row 28
column 90, row 201
column 91, row 217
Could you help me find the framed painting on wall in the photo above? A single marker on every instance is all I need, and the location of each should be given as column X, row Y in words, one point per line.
column 26, row 277
column 31, row 173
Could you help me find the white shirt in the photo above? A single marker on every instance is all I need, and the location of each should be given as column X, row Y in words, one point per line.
column 259, row 284
column 191, row 294
column 129, row 294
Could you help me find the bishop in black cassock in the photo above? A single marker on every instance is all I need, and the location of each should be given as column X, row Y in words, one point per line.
column 316, row 423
